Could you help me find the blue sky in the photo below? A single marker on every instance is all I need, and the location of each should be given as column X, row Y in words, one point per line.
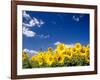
column 45, row 29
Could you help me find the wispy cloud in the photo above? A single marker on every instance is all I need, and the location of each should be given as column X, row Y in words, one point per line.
column 38, row 22
column 43, row 36
column 77, row 18
column 30, row 51
column 28, row 33
column 29, row 23
column 25, row 15
column 67, row 45
column 32, row 21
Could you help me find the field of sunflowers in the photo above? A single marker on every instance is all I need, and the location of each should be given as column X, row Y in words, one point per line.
column 61, row 56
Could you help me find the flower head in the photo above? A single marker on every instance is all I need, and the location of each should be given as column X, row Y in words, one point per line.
column 49, row 60
column 24, row 56
column 50, row 49
column 61, row 48
column 78, row 46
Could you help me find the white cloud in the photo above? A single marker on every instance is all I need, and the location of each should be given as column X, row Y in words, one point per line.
column 31, row 22
column 47, row 36
column 43, row 36
column 67, row 45
column 25, row 15
column 75, row 18
column 28, row 33
column 30, row 51
column 41, row 22
column 33, row 51
column 56, row 43
column 37, row 22
column 26, row 50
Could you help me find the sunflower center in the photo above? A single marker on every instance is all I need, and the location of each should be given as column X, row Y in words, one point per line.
column 74, row 50
column 69, row 53
column 61, row 48
column 83, row 51
column 59, row 58
column 50, row 59
column 78, row 46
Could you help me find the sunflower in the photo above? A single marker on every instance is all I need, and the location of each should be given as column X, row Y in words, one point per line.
column 87, row 55
column 88, row 46
column 67, row 53
column 41, row 54
column 88, row 60
column 87, row 52
column 33, row 58
column 55, row 55
column 46, row 54
column 49, row 59
column 36, row 60
column 24, row 56
column 39, row 59
column 73, row 51
column 61, row 48
column 83, row 52
column 60, row 58
column 78, row 46
column 50, row 49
